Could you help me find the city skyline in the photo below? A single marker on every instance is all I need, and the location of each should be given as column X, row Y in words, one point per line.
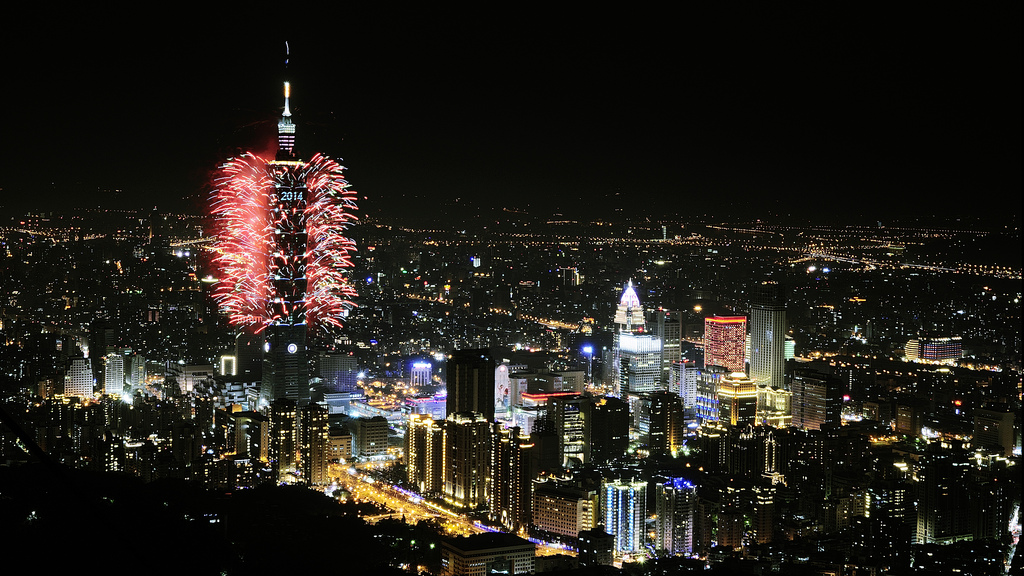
column 769, row 111
column 708, row 291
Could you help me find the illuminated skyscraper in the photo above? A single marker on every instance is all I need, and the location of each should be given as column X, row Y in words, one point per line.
column 424, row 453
column 768, row 335
column 629, row 315
column 281, row 256
column 725, row 338
column 467, row 454
column 636, row 356
column 624, row 506
column 114, row 383
column 737, row 399
column 285, row 366
column 511, row 475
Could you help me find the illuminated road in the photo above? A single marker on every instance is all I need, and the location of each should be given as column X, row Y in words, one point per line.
column 405, row 504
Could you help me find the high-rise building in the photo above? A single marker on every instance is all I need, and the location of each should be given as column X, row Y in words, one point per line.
column 563, row 509
column 737, row 400
column 281, row 256
column 314, row 444
column 467, row 456
column 570, row 416
column 370, row 437
column 816, row 400
column 424, row 452
column 994, row 428
column 768, row 335
column 137, row 376
column 708, row 380
column 624, row 507
column 338, row 371
column 609, row 429
column 669, row 328
column 511, row 477
column 639, row 364
column 78, row 381
column 635, row 356
column 675, row 506
column 629, row 315
column 284, row 438
column 470, row 383
column 725, row 340
column 774, row 406
column 683, row 381
column 114, row 382
column 667, row 424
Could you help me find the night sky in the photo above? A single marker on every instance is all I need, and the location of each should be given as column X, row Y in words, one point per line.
column 805, row 109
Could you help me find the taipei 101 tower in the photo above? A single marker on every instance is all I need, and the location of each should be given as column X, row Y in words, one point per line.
column 281, row 255
column 285, row 365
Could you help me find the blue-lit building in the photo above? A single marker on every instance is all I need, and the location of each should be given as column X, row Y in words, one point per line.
column 624, row 506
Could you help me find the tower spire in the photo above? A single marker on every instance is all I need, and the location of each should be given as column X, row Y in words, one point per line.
column 285, row 128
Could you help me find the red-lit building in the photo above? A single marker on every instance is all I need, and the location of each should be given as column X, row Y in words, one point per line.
column 725, row 342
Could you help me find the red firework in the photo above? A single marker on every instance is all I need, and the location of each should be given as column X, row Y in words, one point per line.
column 248, row 207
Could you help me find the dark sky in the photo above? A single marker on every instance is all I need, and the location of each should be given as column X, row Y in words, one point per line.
column 811, row 109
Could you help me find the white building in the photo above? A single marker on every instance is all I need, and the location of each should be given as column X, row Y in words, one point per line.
column 114, row 374
column 78, row 381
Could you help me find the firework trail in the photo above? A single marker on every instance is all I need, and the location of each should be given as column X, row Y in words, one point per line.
column 281, row 252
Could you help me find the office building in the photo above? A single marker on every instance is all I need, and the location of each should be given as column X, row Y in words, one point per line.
column 725, row 339
column 773, row 406
column 609, row 429
column 683, row 381
column 470, row 375
column 667, row 425
column 768, row 335
column 571, row 418
column 114, row 379
column 639, row 364
column 485, row 554
column 338, row 371
column 669, row 329
column 78, row 381
column 708, row 380
column 370, row 437
column 737, row 400
column 993, row 428
column 816, row 400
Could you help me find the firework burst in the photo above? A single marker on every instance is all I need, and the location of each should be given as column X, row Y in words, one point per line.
column 281, row 252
